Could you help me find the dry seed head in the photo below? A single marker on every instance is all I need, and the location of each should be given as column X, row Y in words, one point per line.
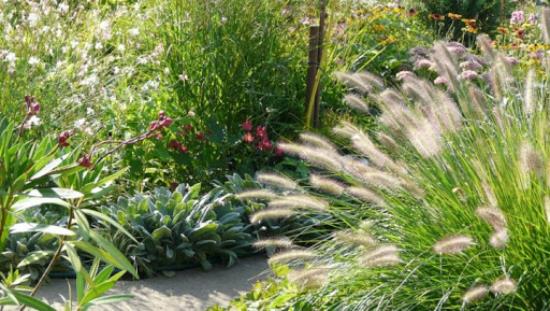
column 259, row 194
column 291, row 149
column 387, row 141
column 475, row 294
column 363, row 83
column 283, row 242
column 277, row 181
column 291, row 255
column 529, row 100
column 356, row 238
column 425, row 138
column 317, row 141
column 270, row 214
column 489, row 194
column 362, row 143
column 309, row 278
column 383, row 180
column 299, row 201
column 364, row 194
column 499, row 239
column 492, row 216
column 504, row 286
column 356, row 103
column 386, row 255
column 326, row 185
column 346, row 129
column 453, row 245
column 545, row 25
column 486, row 47
column 530, row 160
column 323, row 159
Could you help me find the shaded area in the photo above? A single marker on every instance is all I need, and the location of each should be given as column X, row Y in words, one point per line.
column 192, row 289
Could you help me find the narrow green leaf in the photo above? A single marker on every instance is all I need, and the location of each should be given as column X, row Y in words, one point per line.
column 37, row 201
column 33, row 257
column 108, row 220
column 61, row 193
column 33, row 302
column 48, row 168
column 30, row 227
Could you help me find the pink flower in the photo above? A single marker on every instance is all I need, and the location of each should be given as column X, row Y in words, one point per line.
column 265, row 145
column 63, row 138
column 248, row 138
column 279, row 152
column 441, row 80
column 165, row 121
column 404, row 75
column 183, row 149
column 261, row 132
column 247, row 125
column 518, row 17
column 33, row 107
column 85, row 161
column 154, row 125
column 468, row 75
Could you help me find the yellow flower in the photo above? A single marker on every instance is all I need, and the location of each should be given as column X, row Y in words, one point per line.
column 454, row 16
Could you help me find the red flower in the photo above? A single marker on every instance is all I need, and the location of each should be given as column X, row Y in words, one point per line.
column 174, row 144
column 265, row 145
column 200, row 136
column 183, row 149
column 279, row 152
column 165, row 121
column 261, row 132
column 248, row 138
column 187, row 128
column 154, row 125
column 63, row 138
column 520, row 33
column 33, row 107
column 247, row 125
column 85, row 161
column 162, row 114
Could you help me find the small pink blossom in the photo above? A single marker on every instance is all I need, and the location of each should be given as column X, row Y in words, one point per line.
column 518, row 17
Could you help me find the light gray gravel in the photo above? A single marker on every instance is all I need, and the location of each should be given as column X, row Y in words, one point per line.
column 191, row 289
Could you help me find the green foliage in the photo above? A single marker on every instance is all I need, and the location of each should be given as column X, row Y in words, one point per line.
column 487, row 14
column 180, row 229
column 455, row 207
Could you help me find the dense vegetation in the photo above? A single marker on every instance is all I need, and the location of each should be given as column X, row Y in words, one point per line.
column 129, row 131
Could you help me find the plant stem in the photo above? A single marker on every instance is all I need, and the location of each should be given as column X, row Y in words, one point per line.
column 52, row 263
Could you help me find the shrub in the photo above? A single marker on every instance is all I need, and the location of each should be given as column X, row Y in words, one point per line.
column 452, row 195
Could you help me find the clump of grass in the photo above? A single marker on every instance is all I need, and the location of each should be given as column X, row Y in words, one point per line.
column 465, row 186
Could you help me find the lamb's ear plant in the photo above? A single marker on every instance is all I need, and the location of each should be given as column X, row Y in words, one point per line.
column 451, row 192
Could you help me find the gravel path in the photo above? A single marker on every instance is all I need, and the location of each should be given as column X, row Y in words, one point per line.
column 191, row 289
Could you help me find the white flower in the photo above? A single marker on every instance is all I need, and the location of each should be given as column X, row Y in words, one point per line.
column 10, row 57
column 80, row 123
column 33, row 19
column 98, row 46
column 105, row 29
column 33, row 61
column 134, row 32
column 89, row 111
column 32, row 121
column 63, row 8
column 121, row 48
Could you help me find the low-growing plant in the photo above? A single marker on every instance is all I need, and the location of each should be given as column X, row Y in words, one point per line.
column 452, row 192
column 180, row 229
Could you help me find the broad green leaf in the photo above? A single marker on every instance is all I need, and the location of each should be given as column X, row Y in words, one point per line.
column 37, row 201
column 62, row 193
column 30, row 227
column 34, row 257
column 161, row 232
column 108, row 220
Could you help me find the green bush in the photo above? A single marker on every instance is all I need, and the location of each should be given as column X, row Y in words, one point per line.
column 452, row 204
